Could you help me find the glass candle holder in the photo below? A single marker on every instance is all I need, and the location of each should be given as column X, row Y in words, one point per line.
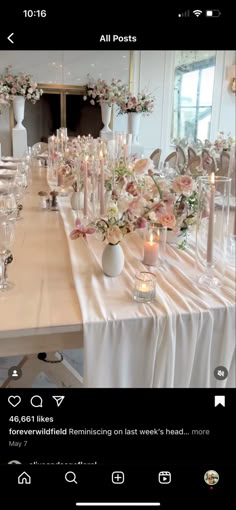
column 145, row 287
column 154, row 245
column 212, row 229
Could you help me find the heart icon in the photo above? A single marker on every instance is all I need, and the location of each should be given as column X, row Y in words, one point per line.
column 14, row 400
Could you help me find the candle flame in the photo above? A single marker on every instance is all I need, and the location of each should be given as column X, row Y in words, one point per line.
column 213, row 178
column 151, row 238
column 101, row 154
column 86, row 158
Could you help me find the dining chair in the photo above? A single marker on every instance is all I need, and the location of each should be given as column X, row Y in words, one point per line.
column 194, row 166
column 181, row 158
column 171, row 159
column 208, row 162
column 224, row 163
column 191, row 153
column 155, row 156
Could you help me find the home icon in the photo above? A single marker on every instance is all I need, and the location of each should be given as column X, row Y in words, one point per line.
column 24, row 478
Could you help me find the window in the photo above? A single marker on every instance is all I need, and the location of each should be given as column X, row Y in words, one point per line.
column 193, row 92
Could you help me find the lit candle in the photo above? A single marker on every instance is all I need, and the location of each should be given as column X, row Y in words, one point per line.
column 86, row 186
column 151, row 249
column 210, row 235
column 102, row 203
column 145, row 287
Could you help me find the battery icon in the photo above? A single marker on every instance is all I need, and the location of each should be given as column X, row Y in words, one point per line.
column 214, row 13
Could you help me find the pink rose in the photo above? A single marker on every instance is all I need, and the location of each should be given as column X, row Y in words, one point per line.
column 168, row 220
column 183, row 184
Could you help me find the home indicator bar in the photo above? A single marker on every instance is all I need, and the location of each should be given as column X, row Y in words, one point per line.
column 118, row 504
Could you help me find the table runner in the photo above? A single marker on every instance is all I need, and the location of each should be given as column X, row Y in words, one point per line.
column 176, row 341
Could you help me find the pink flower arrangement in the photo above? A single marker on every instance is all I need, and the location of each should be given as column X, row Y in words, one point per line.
column 175, row 205
column 113, row 229
column 4, row 96
column 20, row 84
column 142, row 103
column 101, row 91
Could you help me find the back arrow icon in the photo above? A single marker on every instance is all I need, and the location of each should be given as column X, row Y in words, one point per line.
column 9, row 38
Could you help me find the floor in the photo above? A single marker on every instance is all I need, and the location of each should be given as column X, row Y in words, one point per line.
column 74, row 357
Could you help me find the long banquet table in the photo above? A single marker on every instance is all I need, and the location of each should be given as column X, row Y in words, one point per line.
column 62, row 300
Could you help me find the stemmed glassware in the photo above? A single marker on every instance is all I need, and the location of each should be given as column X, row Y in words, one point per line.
column 8, row 205
column 19, row 188
column 7, row 235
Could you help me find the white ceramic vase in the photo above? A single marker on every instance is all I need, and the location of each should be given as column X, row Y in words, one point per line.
column 77, row 200
column 106, row 118
column 113, row 260
column 19, row 111
column 133, row 125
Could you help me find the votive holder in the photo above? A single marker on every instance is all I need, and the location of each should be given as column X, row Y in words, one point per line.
column 145, row 287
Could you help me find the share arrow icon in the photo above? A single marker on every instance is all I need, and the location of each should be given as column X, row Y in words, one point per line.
column 59, row 399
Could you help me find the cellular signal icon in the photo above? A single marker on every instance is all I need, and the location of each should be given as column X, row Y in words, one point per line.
column 184, row 14
column 197, row 13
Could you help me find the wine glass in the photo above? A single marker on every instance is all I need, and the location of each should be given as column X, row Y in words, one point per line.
column 19, row 188
column 7, row 235
column 8, row 205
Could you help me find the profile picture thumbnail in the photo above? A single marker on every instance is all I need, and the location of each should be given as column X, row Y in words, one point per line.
column 211, row 477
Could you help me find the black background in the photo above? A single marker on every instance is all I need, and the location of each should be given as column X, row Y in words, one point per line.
column 188, row 457
column 141, row 458
column 79, row 27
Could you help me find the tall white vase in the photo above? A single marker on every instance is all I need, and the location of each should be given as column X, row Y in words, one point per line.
column 113, row 260
column 19, row 111
column 106, row 118
column 19, row 133
column 133, row 125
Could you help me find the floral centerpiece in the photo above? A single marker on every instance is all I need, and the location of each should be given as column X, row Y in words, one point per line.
column 20, row 84
column 101, row 91
column 142, row 103
column 4, row 96
column 222, row 143
column 145, row 197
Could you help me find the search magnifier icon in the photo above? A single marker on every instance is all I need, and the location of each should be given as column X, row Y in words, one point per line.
column 70, row 476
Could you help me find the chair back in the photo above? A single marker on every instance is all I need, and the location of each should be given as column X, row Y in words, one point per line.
column 191, row 153
column 181, row 158
column 155, row 156
column 194, row 166
column 208, row 162
column 171, row 159
column 224, row 163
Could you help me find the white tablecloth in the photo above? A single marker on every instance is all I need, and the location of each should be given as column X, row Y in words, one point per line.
column 176, row 341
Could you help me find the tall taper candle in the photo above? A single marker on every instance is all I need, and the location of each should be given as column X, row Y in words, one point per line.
column 85, row 186
column 210, row 235
column 102, row 203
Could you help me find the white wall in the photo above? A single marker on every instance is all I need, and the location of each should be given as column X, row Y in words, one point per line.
column 64, row 67
column 153, row 70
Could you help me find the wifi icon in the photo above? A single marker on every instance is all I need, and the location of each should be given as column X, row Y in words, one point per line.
column 197, row 13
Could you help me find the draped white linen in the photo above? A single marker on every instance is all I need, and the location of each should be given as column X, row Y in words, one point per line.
column 176, row 341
